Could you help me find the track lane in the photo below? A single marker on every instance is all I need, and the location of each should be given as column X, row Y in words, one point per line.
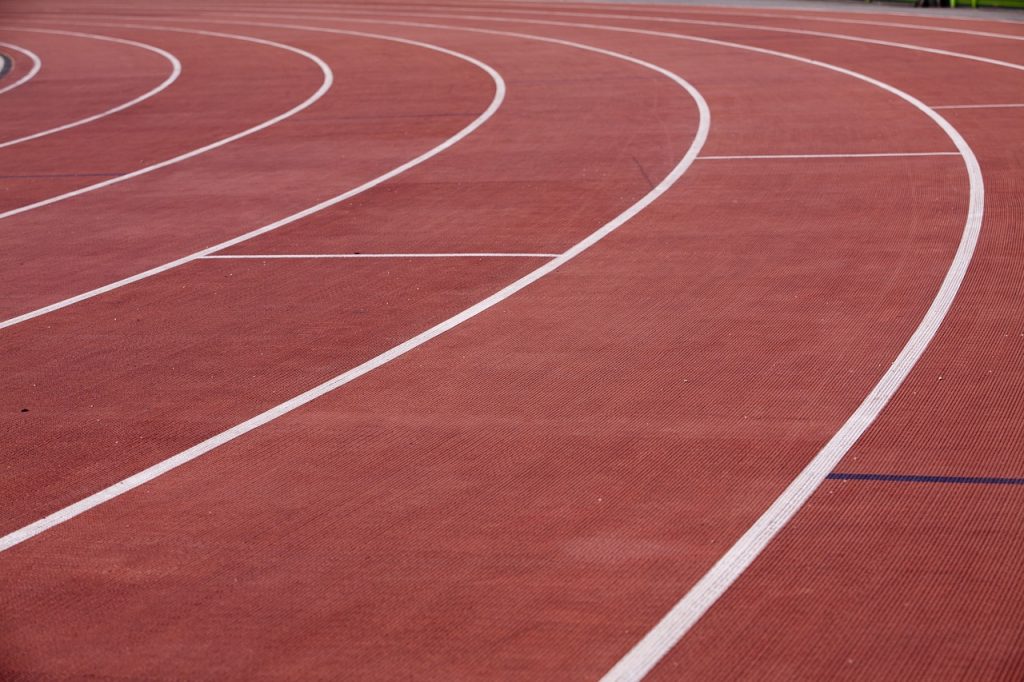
column 174, row 72
column 501, row 375
column 371, row 137
column 938, row 592
column 220, row 128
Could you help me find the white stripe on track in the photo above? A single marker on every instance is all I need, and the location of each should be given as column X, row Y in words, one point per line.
column 868, row 155
column 694, row 604
column 37, row 64
column 143, row 477
column 499, row 96
column 378, row 255
column 328, row 80
column 173, row 76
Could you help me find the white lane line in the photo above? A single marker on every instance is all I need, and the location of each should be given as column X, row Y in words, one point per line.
column 978, row 106
column 173, row 76
column 701, row 22
column 37, row 64
column 380, row 255
column 499, row 96
column 143, row 477
column 328, row 79
column 826, row 156
column 694, row 604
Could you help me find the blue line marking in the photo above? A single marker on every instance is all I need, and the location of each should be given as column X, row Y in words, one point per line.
column 900, row 478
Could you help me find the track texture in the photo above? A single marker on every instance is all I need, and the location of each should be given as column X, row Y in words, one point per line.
column 752, row 210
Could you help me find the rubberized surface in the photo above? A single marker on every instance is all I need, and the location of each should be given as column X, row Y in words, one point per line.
column 550, row 308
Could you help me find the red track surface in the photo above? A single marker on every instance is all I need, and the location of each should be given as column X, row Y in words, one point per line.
column 529, row 493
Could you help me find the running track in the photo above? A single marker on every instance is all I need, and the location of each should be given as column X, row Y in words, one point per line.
column 508, row 340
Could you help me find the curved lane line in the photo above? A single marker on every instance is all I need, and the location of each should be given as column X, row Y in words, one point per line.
column 175, row 72
column 37, row 64
column 146, row 475
column 499, row 96
column 702, row 596
column 328, row 80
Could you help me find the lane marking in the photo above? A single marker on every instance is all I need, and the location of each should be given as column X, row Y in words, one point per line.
column 173, row 76
column 143, row 477
column 826, row 156
column 910, row 478
column 37, row 64
column 499, row 96
column 328, row 80
column 978, row 106
column 381, row 255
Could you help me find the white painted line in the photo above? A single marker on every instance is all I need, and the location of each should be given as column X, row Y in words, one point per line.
column 825, row 156
column 173, row 76
column 379, row 255
column 694, row 604
column 143, row 477
column 328, row 79
column 499, row 96
column 979, row 106
column 37, row 64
